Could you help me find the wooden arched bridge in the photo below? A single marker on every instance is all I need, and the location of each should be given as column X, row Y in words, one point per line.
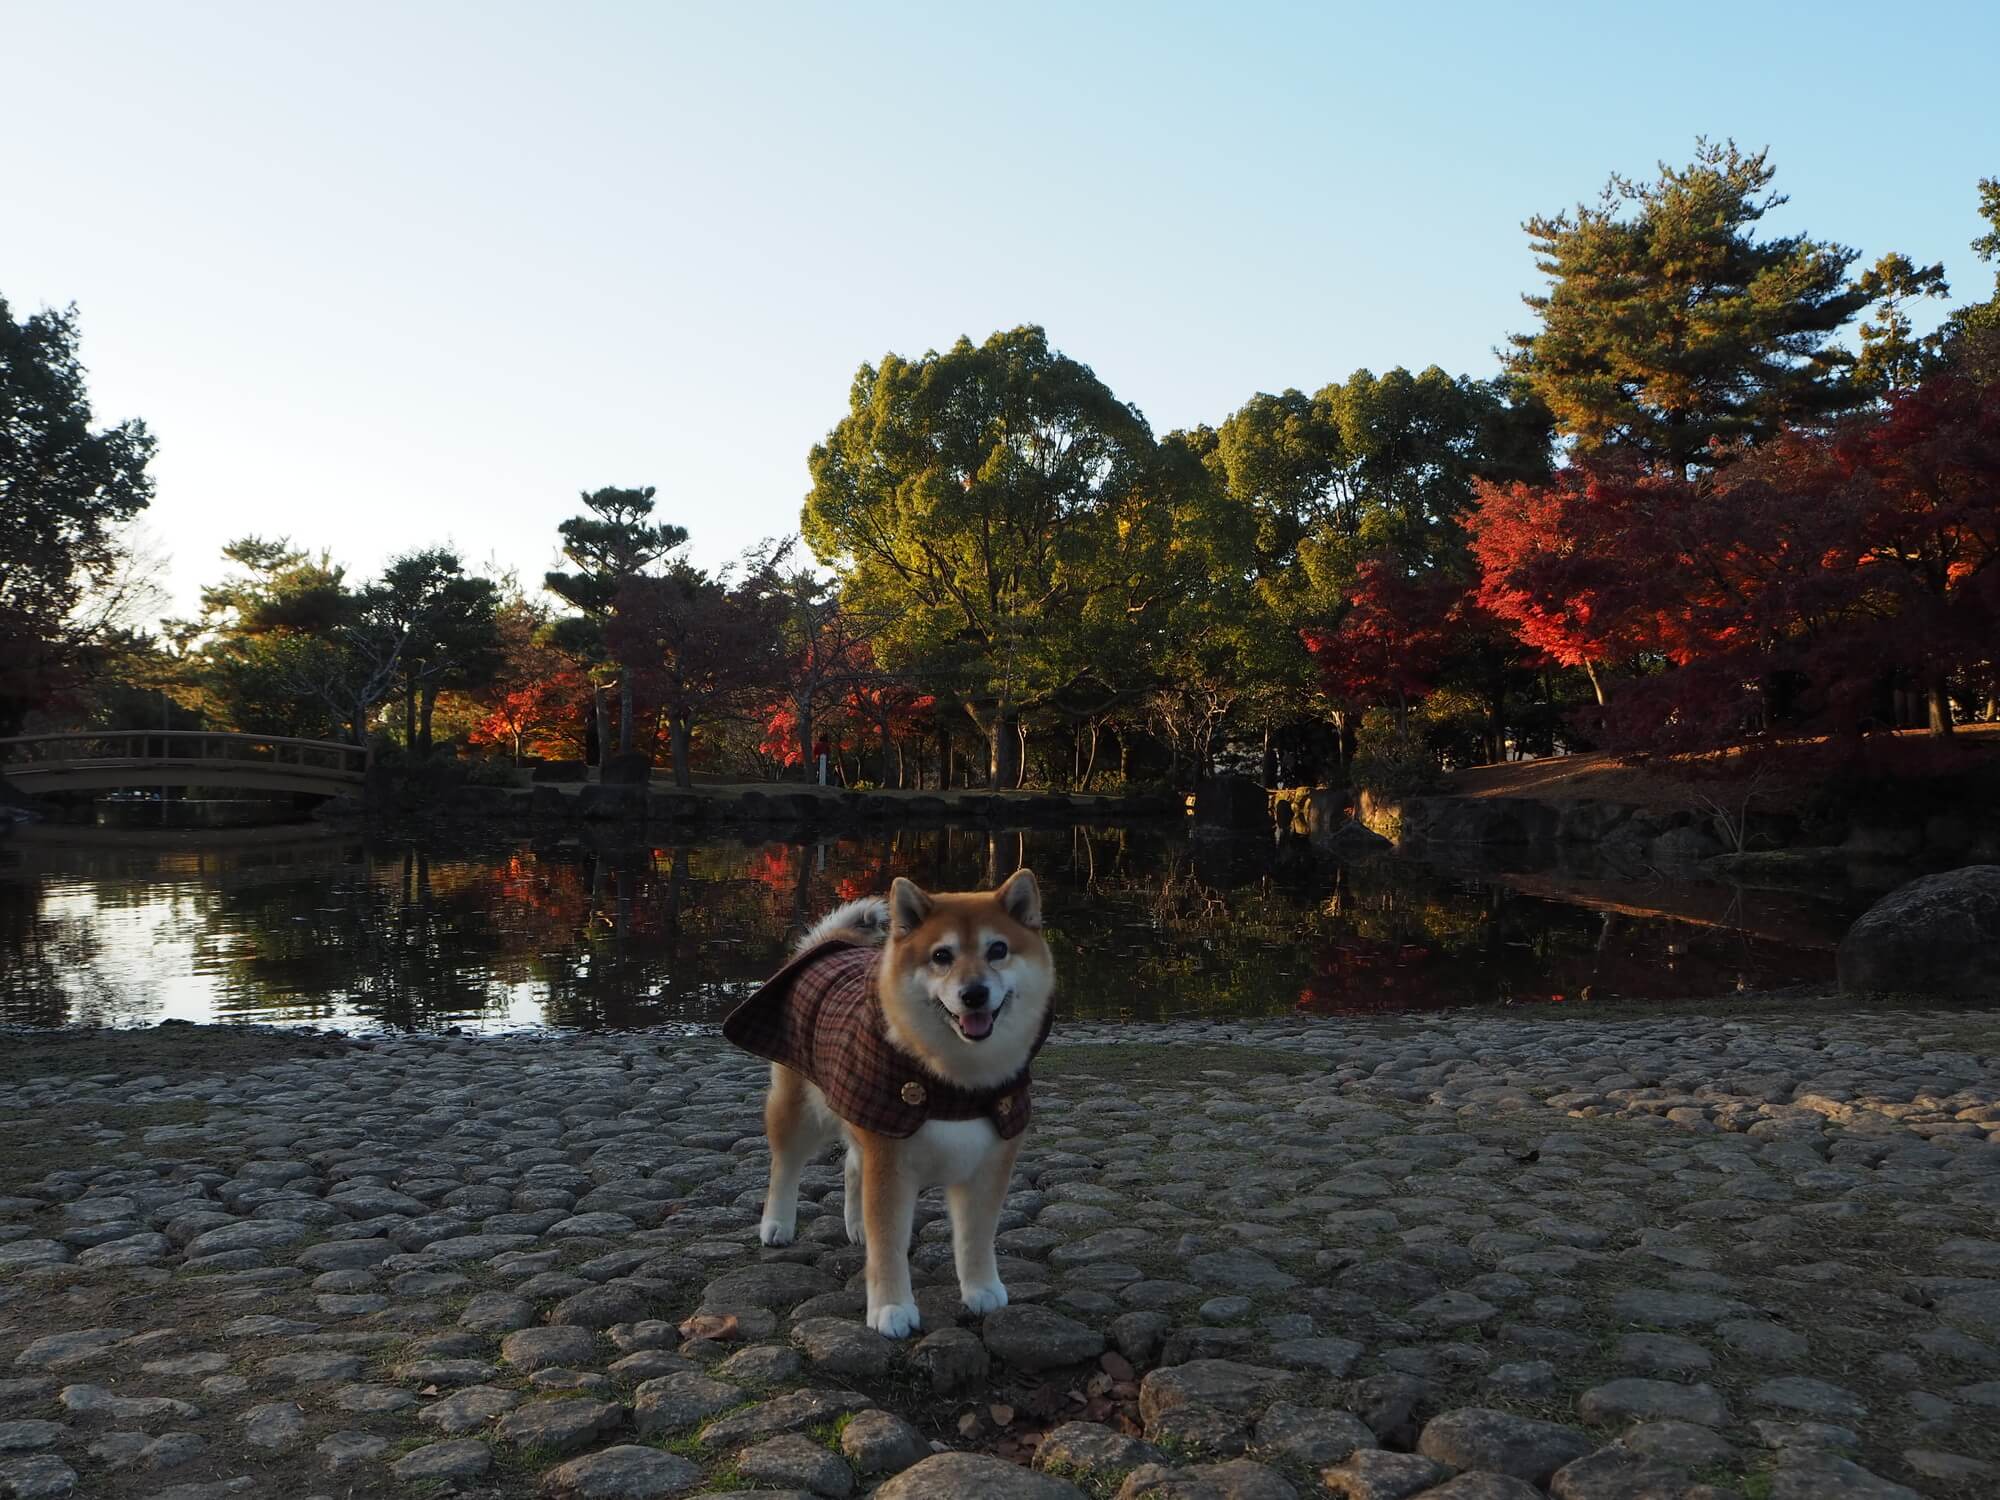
column 99, row 760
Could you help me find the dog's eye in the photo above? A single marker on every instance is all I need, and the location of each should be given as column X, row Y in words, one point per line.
column 940, row 956
column 995, row 952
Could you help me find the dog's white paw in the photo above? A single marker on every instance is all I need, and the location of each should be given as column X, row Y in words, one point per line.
column 857, row 1231
column 771, row 1232
column 986, row 1297
column 896, row 1321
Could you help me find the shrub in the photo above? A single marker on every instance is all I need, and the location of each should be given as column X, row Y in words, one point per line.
column 1393, row 761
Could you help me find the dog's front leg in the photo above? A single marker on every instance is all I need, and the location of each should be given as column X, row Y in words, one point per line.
column 789, row 1126
column 975, row 1215
column 851, row 1198
column 888, row 1209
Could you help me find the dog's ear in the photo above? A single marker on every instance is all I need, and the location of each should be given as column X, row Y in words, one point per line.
column 1021, row 898
column 908, row 906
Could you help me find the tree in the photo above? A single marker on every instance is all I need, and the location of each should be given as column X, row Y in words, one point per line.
column 1893, row 357
column 1670, row 330
column 978, row 501
column 610, row 546
column 1362, row 490
column 66, row 491
column 534, row 689
column 1971, row 336
column 698, row 648
column 1571, row 565
column 446, row 620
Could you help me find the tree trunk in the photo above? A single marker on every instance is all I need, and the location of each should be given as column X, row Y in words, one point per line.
column 410, row 708
column 1270, row 759
column 1003, row 749
column 429, row 703
column 802, row 706
column 682, row 732
column 603, row 711
column 517, row 749
column 1937, row 699
column 944, row 757
column 1596, row 684
column 624, row 710
column 1020, row 755
column 1090, row 765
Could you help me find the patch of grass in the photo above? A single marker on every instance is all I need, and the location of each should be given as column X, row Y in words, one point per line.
column 827, row 1434
column 685, row 1444
column 724, row 1477
column 1099, row 1484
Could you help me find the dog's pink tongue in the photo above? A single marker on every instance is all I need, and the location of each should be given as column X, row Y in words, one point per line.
column 976, row 1023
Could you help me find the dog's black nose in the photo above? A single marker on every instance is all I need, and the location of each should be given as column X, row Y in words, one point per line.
column 973, row 997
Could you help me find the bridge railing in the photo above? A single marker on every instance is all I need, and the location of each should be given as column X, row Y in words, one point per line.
column 182, row 746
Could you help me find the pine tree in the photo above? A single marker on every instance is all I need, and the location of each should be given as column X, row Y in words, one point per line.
column 1670, row 326
column 610, row 546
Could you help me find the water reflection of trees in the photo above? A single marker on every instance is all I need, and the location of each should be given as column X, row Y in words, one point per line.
column 599, row 933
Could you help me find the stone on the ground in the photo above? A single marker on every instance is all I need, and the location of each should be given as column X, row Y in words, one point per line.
column 558, row 1426
column 958, row 1476
column 468, row 1409
column 463, row 1458
column 953, row 1358
column 1031, row 1337
column 795, row 1411
column 1634, row 1399
column 346, row 1450
column 1377, row 1474
column 1474, row 1437
column 624, row 1472
column 841, row 1346
column 276, row 1425
column 670, row 1404
column 1235, row 1479
column 530, row 1349
column 1094, row 1450
column 798, row 1461
column 1314, row 1436
column 37, row 1476
column 879, row 1442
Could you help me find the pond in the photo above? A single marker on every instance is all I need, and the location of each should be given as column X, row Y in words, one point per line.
column 508, row 933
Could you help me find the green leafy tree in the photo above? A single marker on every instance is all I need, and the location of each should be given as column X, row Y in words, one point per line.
column 447, row 621
column 987, row 502
column 66, row 491
column 611, row 544
column 1893, row 356
column 1372, row 471
column 1972, row 334
column 1670, row 326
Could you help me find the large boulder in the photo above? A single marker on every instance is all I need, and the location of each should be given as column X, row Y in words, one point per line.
column 1936, row 936
column 633, row 768
column 1232, row 803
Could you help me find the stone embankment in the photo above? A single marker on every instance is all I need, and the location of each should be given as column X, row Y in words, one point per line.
column 781, row 804
column 1750, row 1255
column 1751, row 847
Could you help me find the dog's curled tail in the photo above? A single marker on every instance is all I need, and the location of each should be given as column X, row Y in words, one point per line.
column 863, row 921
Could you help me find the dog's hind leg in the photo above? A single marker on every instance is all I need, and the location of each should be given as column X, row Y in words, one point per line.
column 794, row 1122
column 850, row 1174
column 889, row 1207
column 975, row 1214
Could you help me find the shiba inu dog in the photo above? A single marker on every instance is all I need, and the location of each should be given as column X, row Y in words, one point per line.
column 905, row 1027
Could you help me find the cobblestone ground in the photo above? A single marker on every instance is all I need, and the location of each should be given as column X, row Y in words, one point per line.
column 1459, row 1259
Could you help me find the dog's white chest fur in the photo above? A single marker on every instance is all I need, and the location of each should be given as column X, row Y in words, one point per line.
column 944, row 1153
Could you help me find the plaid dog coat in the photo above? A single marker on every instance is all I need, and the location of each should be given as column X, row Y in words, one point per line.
column 819, row 1016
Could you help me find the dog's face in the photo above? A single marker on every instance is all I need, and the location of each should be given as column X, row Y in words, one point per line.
column 967, row 978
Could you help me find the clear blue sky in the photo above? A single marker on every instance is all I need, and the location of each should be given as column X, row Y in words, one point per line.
column 385, row 275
